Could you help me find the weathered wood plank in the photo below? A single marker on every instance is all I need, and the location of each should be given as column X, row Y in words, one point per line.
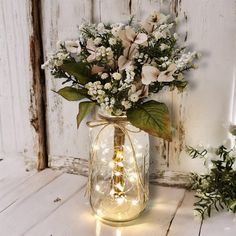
column 75, row 217
column 18, row 137
column 223, row 223
column 30, row 185
column 20, row 217
column 12, row 173
column 60, row 20
column 184, row 222
column 37, row 93
column 111, row 11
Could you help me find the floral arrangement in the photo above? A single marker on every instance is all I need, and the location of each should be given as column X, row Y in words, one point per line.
column 118, row 67
column 216, row 189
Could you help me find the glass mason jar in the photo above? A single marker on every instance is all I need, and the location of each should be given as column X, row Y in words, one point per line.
column 118, row 171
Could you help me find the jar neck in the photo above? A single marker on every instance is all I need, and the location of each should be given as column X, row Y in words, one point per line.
column 106, row 116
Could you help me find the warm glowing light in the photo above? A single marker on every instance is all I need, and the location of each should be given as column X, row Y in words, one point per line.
column 133, row 177
column 118, row 232
column 135, row 202
column 120, row 200
column 117, row 173
column 112, row 192
column 97, row 187
column 95, row 147
column 120, row 187
column 120, row 164
column 111, row 164
column 99, row 212
column 98, row 228
column 119, row 154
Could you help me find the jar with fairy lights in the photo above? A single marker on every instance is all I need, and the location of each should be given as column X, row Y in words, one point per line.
column 118, row 171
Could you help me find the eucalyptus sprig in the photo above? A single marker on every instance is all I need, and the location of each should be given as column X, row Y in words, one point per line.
column 216, row 189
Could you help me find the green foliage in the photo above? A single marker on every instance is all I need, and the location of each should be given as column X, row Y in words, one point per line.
column 152, row 117
column 85, row 108
column 77, row 69
column 71, row 94
column 217, row 189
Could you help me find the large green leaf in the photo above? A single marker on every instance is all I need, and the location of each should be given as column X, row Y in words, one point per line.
column 85, row 108
column 79, row 70
column 152, row 117
column 71, row 94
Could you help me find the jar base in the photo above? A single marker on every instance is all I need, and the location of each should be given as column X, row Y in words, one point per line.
column 109, row 211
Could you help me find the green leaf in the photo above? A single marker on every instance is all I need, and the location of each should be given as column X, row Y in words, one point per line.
column 84, row 109
column 152, row 117
column 79, row 70
column 71, row 94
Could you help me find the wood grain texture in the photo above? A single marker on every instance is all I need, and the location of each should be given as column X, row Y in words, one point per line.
column 37, row 93
column 75, row 216
column 15, row 221
column 61, row 19
column 17, row 135
column 184, row 222
column 29, row 186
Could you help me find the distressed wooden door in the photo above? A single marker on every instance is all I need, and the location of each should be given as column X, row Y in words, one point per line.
column 199, row 116
column 22, row 116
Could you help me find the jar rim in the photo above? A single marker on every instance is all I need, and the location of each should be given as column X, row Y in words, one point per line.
column 105, row 116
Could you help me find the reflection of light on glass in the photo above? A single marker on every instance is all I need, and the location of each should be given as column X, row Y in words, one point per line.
column 98, row 227
column 118, row 232
column 99, row 212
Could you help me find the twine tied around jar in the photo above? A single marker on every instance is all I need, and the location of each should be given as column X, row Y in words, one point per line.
column 120, row 124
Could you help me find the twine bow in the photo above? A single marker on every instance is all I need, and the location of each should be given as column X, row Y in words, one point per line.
column 119, row 122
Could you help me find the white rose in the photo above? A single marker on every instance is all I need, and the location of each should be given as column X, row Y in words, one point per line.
column 116, row 76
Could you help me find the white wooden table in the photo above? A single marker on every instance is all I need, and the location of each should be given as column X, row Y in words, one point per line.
column 52, row 203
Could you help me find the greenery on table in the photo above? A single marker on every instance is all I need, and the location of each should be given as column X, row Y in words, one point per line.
column 216, row 189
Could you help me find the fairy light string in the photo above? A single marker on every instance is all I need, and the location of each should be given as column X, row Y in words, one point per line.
column 121, row 124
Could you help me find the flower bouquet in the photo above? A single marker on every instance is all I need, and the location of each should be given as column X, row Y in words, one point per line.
column 118, row 67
